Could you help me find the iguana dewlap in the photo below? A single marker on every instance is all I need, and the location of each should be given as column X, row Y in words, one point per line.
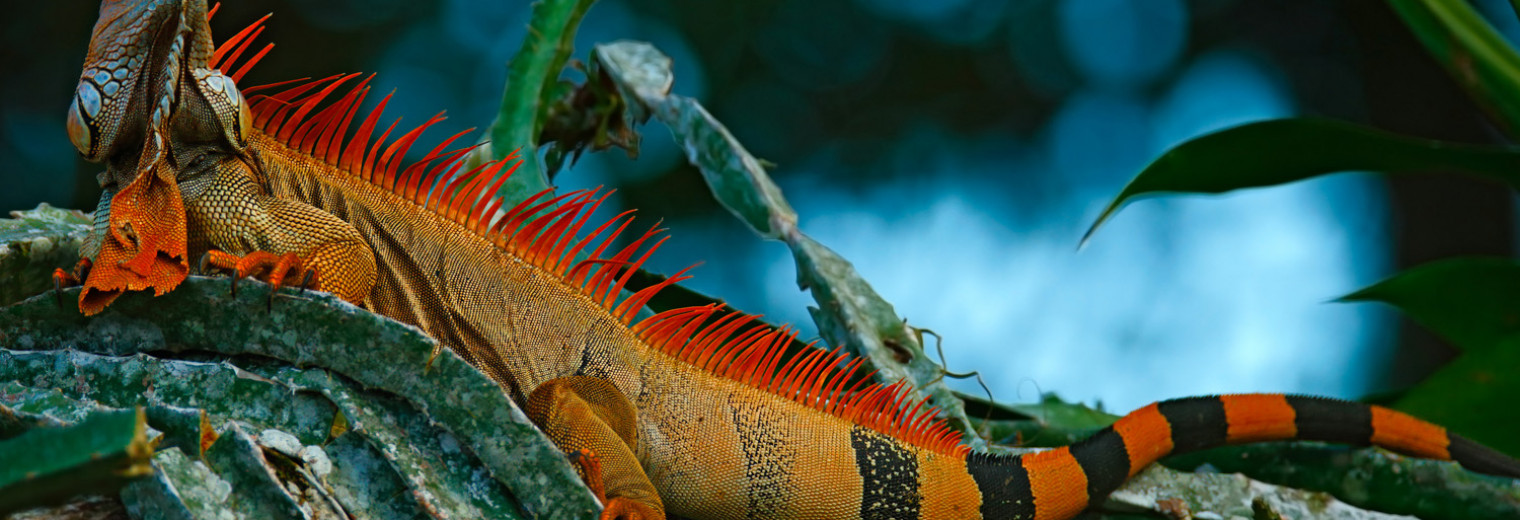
column 692, row 411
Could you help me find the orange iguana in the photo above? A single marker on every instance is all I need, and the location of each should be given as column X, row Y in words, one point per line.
column 693, row 411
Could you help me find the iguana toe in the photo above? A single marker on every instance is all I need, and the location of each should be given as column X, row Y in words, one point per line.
column 262, row 265
column 62, row 278
column 624, row 508
column 613, row 508
column 591, row 470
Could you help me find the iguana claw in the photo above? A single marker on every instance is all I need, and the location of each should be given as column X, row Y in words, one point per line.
column 62, row 278
column 307, row 279
column 590, row 466
column 615, row 508
column 262, row 265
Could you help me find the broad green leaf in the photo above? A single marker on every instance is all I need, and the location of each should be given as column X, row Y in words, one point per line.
column 1060, row 416
column 1472, row 302
column 1474, row 396
column 1287, row 150
column 1476, row 55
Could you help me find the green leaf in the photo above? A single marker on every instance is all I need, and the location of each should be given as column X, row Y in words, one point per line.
column 531, row 78
column 97, row 455
column 1475, row 54
column 1473, row 396
column 1048, row 423
column 1475, row 304
column 1287, row 150
column 1472, row 302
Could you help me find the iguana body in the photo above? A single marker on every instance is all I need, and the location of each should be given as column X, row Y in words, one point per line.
column 691, row 411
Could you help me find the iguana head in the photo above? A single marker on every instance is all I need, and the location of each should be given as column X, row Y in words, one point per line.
column 147, row 105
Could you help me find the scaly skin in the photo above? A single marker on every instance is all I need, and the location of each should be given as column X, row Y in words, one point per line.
column 659, row 415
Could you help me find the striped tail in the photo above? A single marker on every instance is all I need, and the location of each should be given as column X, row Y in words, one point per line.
column 1060, row 483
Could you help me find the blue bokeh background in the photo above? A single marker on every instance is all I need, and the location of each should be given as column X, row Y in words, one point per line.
column 955, row 151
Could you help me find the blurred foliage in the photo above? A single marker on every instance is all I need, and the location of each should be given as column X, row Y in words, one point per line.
column 1471, row 302
column 1475, row 54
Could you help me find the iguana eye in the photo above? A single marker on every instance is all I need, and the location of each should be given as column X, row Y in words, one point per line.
column 79, row 130
column 83, row 109
column 230, row 106
column 244, row 121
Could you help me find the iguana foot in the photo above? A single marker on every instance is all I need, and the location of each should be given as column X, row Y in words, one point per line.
column 595, row 425
column 615, row 508
column 261, row 265
column 624, row 508
column 590, row 466
column 62, row 278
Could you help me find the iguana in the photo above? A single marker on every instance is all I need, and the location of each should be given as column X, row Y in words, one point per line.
column 693, row 411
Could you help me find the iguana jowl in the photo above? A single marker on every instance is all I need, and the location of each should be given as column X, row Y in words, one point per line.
column 691, row 411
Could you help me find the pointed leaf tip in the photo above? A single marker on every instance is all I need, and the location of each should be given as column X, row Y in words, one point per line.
column 1472, row 302
column 1281, row 151
column 1102, row 217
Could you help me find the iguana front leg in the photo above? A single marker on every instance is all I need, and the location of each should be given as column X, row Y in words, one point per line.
column 594, row 423
column 246, row 231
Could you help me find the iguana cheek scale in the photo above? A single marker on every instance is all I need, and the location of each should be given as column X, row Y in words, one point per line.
column 694, row 411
